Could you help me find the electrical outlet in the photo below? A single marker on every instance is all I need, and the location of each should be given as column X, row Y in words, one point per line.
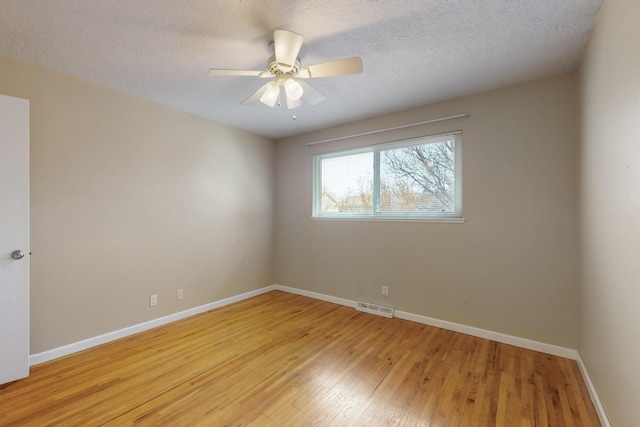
column 385, row 291
column 153, row 300
column 180, row 294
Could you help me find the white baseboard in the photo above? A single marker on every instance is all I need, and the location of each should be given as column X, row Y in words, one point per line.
column 595, row 398
column 451, row 326
column 316, row 295
column 555, row 350
column 68, row 349
column 568, row 353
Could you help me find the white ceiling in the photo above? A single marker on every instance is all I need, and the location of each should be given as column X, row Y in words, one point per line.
column 414, row 52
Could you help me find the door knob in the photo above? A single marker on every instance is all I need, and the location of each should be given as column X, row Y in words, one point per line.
column 17, row 254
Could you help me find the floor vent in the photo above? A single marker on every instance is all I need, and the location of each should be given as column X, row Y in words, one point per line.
column 380, row 310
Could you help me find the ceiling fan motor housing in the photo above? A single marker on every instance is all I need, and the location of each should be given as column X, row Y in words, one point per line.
column 274, row 66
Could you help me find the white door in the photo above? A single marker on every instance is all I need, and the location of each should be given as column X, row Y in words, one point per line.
column 14, row 238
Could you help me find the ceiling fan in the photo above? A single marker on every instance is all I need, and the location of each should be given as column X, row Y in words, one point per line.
column 284, row 67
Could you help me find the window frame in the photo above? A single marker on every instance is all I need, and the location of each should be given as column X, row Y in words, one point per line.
column 454, row 216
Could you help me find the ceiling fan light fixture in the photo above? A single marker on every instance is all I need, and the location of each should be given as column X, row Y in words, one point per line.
column 284, row 67
column 271, row 95
column 293, row 103
column 293, row 89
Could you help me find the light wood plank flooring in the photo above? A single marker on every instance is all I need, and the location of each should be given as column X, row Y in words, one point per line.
column 286, row 360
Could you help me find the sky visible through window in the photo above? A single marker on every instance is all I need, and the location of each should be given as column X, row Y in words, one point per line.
column 347, row 175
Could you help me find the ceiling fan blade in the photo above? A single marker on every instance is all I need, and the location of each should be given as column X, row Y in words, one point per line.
column 339, row 67
column 286, row 46
column 310, row 95
column 250, row 73
column 257, row 94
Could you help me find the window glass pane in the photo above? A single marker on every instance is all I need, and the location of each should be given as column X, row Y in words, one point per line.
column 347, row 184
column 411, row 179
column 418, row 178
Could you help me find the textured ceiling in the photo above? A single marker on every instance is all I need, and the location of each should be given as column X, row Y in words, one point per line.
column 414, row 52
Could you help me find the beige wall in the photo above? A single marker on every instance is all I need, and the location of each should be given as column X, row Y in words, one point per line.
column 129, row 198
column 512, row 267
column 610, row 210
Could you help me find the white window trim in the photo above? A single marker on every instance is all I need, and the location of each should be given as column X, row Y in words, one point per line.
column 448, row 217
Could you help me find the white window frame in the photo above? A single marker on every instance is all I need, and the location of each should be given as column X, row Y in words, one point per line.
column 455, row 216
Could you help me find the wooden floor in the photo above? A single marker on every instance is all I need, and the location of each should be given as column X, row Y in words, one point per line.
column 285, row 360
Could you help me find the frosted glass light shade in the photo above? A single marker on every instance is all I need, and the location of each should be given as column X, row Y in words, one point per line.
column 270, row 97
column 293, row 89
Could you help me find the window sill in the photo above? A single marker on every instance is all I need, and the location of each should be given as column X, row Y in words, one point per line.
column 388, row 219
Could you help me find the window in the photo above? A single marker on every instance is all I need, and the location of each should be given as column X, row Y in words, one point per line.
column 410, row 179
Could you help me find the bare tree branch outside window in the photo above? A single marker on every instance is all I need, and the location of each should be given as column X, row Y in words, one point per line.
column 419, row 177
